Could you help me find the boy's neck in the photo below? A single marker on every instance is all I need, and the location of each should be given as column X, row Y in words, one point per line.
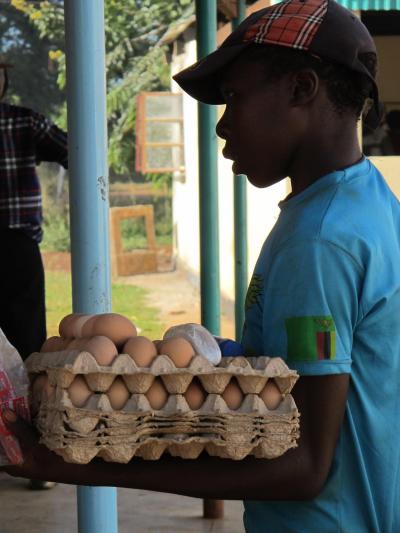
column 322, row 153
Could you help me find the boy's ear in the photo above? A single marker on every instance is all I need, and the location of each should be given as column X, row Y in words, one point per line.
column 305, row 86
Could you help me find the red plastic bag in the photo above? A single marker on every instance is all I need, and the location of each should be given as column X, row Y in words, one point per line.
column 14, row 386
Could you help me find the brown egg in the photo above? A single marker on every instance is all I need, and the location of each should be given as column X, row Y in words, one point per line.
column 63, row 325
column 40, row 385
column 233, row 395
column 141, row 349
column 79, row 392
column 67, row 324
column 178, row 349
column 157, row 394
column 53, row 344
column 102, row 349
column 87, row 327
column 76, row 344
column 271, row 395
column 116, row 327
column 118, row 394
column 77, row 324
column 195, row 395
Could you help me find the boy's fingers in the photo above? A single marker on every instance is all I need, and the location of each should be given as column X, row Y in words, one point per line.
column 23, row 431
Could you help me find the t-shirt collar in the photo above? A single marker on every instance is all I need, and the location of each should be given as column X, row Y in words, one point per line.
column 324, row 182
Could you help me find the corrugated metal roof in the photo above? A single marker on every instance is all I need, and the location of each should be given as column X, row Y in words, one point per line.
column 374, row 5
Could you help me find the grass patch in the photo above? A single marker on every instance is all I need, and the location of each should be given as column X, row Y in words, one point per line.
column 128, row 300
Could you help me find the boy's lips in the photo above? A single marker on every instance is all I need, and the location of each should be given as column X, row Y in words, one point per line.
column 227, row 153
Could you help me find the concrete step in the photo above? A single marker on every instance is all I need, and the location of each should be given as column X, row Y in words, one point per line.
column 139, row 511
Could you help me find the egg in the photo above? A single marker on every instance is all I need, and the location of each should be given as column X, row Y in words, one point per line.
column 40, row 385
column 141, row 349
column 195, row 395
column 178, row 349
column 102, row 349
column 233, row 395
column 77, row 324
column 118, row 394
column 76, row 344
column 157, row 394
column 53, row 344
column 271, row 395
column 87, row 327
column 79, row 392
column 116, row 327
column 66, row 325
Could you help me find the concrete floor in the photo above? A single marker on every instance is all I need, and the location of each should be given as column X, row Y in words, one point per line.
column 54, row 511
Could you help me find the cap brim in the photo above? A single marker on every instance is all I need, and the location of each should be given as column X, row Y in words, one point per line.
column 201, row 80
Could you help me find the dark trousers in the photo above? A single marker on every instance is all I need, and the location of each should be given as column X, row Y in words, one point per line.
column 22, row 309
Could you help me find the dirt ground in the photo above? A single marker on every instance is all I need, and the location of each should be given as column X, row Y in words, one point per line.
column 169, row 290
column 176, row 297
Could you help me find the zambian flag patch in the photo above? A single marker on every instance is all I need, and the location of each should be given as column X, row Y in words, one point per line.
column 311, row 338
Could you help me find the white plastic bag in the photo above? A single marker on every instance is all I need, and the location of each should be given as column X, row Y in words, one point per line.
column 14, row 386
column 199, row 337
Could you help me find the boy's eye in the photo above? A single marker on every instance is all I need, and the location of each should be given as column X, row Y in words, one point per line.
column 228, row 94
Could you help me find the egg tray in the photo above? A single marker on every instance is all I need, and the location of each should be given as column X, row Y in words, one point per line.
column 252, row 373
column 79, row 435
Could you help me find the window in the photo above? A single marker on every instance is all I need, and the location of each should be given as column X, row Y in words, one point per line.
column 159, row 132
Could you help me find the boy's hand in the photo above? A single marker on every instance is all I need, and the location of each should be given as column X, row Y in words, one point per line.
column 39, row 462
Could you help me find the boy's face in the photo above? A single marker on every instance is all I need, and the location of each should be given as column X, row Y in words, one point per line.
column 259, row 124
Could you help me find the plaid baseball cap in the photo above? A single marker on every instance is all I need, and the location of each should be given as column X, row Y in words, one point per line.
column 322, row 28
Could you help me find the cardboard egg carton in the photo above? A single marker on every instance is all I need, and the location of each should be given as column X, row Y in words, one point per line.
column 79, row 435
column 97, row 430
column 252, row 373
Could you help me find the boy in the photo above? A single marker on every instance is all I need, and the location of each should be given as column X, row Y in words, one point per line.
column 325, row 295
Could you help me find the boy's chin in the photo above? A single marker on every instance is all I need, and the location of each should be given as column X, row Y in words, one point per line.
column 235, row 168
column 261, row 182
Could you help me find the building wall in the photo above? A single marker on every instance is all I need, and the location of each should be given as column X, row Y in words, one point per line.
column 389, row 92
column 389, row 73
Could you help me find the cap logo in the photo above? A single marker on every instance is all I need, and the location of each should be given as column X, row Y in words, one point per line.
column 292, row 23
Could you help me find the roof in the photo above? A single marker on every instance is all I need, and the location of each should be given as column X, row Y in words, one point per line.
column 228, row 8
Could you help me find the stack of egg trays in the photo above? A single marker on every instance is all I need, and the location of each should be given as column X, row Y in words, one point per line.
column 97, row 430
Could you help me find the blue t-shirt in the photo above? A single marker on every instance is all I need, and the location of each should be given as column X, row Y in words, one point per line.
column 325, row 296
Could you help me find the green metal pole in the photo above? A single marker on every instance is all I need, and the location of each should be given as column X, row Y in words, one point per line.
column 206, row 16
column 240, row 223
column 206, row 23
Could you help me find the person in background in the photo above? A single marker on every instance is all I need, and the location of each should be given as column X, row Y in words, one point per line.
column 393, row 127
column 26, row 139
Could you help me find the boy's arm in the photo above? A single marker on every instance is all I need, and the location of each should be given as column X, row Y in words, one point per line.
column 299, row 474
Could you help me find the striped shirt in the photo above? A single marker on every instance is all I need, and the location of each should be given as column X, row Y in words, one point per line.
column 26, row 139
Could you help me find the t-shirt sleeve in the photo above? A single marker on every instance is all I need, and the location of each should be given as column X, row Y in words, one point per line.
column 311, row 307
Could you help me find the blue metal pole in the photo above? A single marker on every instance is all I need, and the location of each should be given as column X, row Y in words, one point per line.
column 88, row 171
column 240, row 223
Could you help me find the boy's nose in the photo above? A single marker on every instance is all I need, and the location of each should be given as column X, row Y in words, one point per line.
column 221, row 128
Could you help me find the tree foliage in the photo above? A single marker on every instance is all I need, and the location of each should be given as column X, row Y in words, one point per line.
column 134, row 61
column 33, row 79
